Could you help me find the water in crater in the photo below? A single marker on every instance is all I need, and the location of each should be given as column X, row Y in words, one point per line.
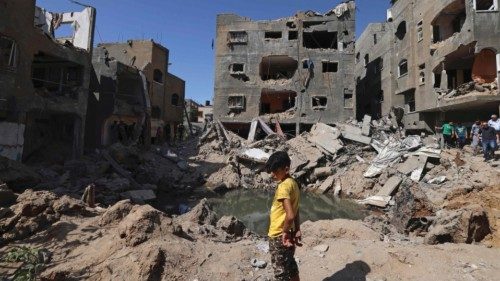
column 252, row 207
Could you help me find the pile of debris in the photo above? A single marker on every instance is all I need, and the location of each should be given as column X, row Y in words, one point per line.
column 470, row 88
column 372, row 161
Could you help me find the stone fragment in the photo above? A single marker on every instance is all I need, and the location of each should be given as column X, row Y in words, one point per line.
column 365, row 130
column 321, row 248
column 231, row 225
column 326, row 185
column 258, row 263
column 390, row 186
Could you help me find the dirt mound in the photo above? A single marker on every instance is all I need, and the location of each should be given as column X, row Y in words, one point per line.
column 314, row 232
column 36, row 211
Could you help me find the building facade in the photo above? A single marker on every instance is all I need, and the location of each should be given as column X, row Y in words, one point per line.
column 205, row 112
column 44, row 80
column 301, row 64
column 439, row 60
column 175, row 96
column 153, row 60
column 118, row 104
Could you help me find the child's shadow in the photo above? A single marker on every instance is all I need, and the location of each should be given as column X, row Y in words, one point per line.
column 355, row 271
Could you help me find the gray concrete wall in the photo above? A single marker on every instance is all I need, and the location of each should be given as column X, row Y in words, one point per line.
column 17, row 89
column 426, row 55
column 329, row 85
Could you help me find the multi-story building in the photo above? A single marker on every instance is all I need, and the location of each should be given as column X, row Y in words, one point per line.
column 439, row 60
column 175, row 96
column 118, row 104
column 302, row 64
column 192, row 110
column 45, row 61
column 153, row 60
column 205, row 112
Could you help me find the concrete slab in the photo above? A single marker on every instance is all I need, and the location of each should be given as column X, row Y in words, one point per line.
column 323, row 172
column 408, row 166
column 365, row 130
column 417, row 174
column 356, row 137
column 390, row 186
column 326, row 185
column 352, row 130
column 377, row 201
column 325, row 137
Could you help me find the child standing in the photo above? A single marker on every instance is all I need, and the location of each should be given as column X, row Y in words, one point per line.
column 284, row 229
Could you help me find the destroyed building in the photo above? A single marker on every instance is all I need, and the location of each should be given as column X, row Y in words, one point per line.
column 44, row 79
column 175, row 95
column 118, row 105
column 192, row 110
column 301, row 65
column 153, row 60
column 438, row 60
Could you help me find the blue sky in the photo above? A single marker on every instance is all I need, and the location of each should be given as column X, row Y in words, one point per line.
column 187, row 27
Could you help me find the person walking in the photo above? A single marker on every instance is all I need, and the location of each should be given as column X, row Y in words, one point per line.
column 489, row 141
column 495, row 123
column 461, row 132
column 448, row 131
column 474, row 136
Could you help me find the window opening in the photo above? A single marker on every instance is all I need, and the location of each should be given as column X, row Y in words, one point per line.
column 320, row 40
column 420, row 31
column 175, row 100
column 330, row 66
column 401, row 30
column 158, row 76
column 237, row 37
column 8, row 53
column 319, row 102
column 273, row 35
column 403, row 68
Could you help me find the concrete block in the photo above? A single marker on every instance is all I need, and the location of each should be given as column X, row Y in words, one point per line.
column 323, row 172
column 352, row 130
column 408, row 166
column 325, row 137
column 326, row 185
column 356, row 137
column 365, row 130
column 417, row 174
column 377, row 201
column 390, row 186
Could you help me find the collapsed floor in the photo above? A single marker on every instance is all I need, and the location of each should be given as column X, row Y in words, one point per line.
column 417, row 195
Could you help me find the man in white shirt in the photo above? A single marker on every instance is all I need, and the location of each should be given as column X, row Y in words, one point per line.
column 495, row 123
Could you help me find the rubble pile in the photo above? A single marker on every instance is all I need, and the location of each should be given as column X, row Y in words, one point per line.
column 35, row 211
column 470, row 88
column 408, row 177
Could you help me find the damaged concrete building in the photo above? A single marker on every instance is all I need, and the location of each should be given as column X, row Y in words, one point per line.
column 118, row 106
column 45, row 59
column 166, row 99
column 437, row 60
column 301, row 65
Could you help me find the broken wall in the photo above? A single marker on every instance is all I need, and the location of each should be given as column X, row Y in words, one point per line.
column 118, row 96
column 257, row 45
column 27, row 81
column 441, row 42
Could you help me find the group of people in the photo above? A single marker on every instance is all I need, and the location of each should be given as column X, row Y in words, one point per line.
column 481, row 134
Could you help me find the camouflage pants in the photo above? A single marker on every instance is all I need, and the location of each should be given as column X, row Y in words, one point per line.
column 282, row 260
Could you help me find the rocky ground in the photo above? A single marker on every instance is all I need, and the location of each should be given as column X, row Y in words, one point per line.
column 433, row 214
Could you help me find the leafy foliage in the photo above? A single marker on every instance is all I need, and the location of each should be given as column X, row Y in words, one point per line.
column 32, row 259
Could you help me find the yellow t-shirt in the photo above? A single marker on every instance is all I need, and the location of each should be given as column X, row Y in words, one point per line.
column 287, row 189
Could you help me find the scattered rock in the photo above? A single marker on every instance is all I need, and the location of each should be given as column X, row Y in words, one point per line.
column 258, row 263
column 231, row 225
column 321, row 248
column 7, row 196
